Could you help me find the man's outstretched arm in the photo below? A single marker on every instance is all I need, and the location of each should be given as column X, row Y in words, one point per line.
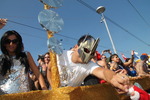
column 119, row 80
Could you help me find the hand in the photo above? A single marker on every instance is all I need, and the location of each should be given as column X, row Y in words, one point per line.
column 118, row 71
column 132, row 52
column 103, row 52
column 120, row 81
column 121, row 71
column 2, row 22
column 109, row 52
column 44, row 88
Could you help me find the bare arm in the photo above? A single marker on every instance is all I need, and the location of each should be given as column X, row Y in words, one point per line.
column 131, row 60
column 119, row 80
column 35, row 70
column 128, row 63
column 49, row 74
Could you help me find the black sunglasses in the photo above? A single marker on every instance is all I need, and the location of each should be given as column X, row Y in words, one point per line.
column 8, row 41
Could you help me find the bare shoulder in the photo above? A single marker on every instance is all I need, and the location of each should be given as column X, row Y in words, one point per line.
column 29, row 56
column 138, row 64
column 28, row 53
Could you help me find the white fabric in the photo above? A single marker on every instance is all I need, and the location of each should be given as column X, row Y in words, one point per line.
column 136, row 95
column 72, row 74
column 130, row 90
column 15, row 81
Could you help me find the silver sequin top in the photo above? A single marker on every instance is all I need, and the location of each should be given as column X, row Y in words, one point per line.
column 15, row 81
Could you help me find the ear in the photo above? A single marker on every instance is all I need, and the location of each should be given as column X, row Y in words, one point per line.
column 75, row 47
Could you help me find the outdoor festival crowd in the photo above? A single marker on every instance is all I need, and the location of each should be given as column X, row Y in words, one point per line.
column 80, row 66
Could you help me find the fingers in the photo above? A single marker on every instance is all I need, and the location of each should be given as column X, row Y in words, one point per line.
column 2, row 22
column 123, row 79
column 118, row 71
column 120, row 81
column 123, row 71
column 132, row 52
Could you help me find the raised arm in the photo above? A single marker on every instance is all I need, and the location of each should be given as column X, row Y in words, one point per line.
column 35, row 70
column 131, row 60
column 2, row 22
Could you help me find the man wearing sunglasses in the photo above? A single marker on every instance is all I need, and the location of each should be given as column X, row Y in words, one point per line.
column 75, row 65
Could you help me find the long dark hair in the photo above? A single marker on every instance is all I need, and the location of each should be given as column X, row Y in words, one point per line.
column 6, row 61
column 112, row 56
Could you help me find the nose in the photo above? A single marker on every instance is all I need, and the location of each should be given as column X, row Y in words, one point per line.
column 10, row 43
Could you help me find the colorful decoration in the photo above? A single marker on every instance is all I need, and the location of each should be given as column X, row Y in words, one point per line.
column 54, row 45
column 52, row 23
column 123, row 56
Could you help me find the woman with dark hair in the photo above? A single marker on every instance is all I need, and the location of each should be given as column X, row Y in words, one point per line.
column 43, row 67
column 44, row 70
column 46, row 58
column 43, row 61
column 116, row 63
column 15, row 65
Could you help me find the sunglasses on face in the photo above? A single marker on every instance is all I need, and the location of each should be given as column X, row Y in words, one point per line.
column 8, row 41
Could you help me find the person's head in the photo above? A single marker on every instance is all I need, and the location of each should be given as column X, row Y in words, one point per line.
column 46, row 58
column 144, row 54
column 11, row 43
column 103, row 57
column 144, row 57
column 114, row 58
column 87, row 46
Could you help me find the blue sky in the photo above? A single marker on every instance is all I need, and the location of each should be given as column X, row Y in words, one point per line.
column 129, row 26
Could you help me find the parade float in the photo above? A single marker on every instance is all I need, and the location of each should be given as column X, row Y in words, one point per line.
column 52, row 23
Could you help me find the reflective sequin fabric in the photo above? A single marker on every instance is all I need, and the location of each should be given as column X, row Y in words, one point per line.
column 15, row 81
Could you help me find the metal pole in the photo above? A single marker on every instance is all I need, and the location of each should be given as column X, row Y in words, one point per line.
column 103, row 19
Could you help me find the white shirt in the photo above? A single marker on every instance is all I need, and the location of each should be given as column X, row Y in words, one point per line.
column 73, row 74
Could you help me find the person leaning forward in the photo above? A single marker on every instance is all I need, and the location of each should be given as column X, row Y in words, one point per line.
column 74, row 66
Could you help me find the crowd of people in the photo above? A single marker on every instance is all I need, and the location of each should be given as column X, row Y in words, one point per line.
column 79, row 66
